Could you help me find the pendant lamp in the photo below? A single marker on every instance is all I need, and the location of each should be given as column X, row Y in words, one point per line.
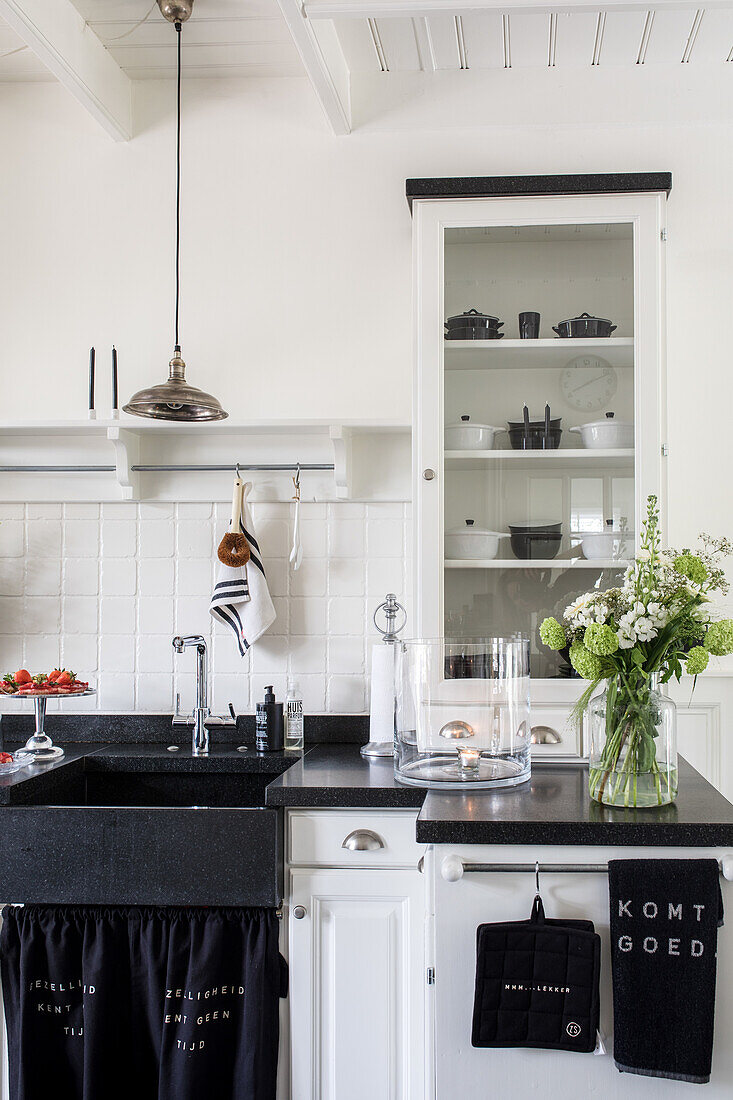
column 176, row 399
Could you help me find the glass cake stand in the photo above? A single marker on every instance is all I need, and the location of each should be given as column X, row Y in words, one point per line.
column 39, row 745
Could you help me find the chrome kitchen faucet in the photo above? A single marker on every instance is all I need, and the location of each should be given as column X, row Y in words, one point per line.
column 201, row 719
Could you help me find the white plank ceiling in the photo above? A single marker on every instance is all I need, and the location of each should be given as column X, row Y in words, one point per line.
column 496, row 39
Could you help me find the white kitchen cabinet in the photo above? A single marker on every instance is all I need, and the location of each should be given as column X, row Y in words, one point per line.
column 460, row 906
column 357, row 972
column 561, row 256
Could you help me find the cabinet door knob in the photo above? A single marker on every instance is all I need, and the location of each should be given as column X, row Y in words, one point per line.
column 299, row 912
column 363, row 840
column 428, row 474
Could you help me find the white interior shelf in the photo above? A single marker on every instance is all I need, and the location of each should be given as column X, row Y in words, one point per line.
column 586, row 458
column 557, row 353
column 536, row 563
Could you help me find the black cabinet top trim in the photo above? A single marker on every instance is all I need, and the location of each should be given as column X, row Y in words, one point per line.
column 479, row 187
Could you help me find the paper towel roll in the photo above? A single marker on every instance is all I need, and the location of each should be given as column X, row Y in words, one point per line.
column 381, row 707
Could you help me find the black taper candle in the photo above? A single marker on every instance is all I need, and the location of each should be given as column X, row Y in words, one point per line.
column 91, row 378
column 114, row 377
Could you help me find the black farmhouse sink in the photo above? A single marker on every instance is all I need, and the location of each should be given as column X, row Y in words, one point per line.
column 143, row 827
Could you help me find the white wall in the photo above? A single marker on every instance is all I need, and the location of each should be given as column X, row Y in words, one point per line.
column 296, row 245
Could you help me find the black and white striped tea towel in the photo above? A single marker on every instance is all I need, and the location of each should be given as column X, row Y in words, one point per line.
column 241, row 598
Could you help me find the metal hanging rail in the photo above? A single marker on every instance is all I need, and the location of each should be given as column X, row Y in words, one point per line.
column 275, row 467
column 453, row 868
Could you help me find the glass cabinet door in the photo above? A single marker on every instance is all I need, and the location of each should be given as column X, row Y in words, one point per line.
column 540, row 412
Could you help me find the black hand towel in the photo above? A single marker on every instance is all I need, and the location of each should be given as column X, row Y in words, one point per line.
column 665, row 915
column 537, row 984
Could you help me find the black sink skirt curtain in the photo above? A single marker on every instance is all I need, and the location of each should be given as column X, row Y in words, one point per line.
column 141, row 1003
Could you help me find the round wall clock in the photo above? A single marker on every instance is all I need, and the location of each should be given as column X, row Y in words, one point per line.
column 588, row 382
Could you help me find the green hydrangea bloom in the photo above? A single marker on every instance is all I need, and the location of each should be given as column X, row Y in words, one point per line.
column 585, row 663
column 600, row 639
column 690, row 566
column 552, row 634
column 719, row 638
column 697, row 660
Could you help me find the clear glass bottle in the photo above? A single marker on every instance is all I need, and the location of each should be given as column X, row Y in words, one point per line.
column 293, row 716
column 633, row 745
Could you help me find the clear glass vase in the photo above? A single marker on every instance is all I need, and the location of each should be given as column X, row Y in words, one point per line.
column 633, row 744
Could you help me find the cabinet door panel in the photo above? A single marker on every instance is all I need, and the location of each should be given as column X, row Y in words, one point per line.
column 356, row 985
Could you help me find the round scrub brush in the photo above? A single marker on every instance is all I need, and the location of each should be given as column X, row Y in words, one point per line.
column 234, row 548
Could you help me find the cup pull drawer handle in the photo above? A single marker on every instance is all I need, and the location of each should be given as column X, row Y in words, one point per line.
column 363, row 840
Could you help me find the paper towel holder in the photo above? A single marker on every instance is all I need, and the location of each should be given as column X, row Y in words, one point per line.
column 392, row 610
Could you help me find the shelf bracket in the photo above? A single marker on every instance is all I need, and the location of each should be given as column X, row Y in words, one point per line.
column 341, row 441
column 127, row 454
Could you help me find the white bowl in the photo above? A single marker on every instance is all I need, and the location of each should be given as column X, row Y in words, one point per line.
column 467, row 435
column 609, row 433
column 472, row 543
column 608, row 544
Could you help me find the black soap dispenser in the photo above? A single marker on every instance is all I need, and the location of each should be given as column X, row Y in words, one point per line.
column 269, row 724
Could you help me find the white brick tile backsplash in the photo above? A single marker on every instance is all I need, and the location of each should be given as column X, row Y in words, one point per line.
column 117, row 615
column 117, row 692
column 43, row 576
column 154, row 693
column 102, row 590
column 156, row 576
column 117, row 653
column 81, row 538
column 346, row 539
column 81, row 577
column 154, row 653
column 157, row 539
column 41, row 652
column 44, row 511
column 195, row 577
column 44, row 538
column 12, row 576
column 119, row 577
column 155, row 614
column 11, row 615
column 346, row 615
column 119, row 537
column 80, row 615
column 41, row 614
column 194, row 539
column 307, row 615
column 11, row 538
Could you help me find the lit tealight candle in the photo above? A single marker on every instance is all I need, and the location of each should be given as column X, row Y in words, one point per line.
column 468, row 760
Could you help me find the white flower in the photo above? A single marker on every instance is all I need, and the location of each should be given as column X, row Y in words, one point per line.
column 645, row 629
column 625, row 641
column 643, row 555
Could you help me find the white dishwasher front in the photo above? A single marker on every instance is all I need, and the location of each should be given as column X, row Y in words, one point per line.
column 474, row 898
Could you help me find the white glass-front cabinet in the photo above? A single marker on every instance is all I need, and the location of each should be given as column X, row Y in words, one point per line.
column 561, row 257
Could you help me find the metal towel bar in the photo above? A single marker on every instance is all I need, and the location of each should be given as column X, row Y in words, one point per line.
column 453, row 868
column 284, row 467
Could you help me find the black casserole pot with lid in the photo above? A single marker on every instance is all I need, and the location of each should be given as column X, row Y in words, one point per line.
column 473, row 325
column 584, row 326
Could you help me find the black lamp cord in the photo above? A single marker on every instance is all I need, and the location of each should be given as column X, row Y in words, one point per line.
column 178, row 27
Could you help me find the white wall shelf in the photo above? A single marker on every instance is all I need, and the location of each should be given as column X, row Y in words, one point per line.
column 108, row 460
column 585, row 458
column 556, row 353
column 553, row 563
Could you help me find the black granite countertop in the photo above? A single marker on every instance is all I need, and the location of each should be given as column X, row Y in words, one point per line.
column 554, row 808
column 337, row 775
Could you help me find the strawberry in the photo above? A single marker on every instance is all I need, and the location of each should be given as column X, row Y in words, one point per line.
column 22, row 676
column 6, row 758
column 65, row 678
column 53, row 676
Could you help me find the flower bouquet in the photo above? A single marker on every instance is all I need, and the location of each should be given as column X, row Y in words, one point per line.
column 654, row 627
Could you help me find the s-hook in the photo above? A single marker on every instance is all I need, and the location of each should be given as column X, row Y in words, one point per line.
column 537, row 879
column 296, row 482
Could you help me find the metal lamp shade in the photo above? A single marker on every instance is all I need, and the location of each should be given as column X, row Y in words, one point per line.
column 175, row 399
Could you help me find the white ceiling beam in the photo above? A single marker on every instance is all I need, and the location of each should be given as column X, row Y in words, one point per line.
column 325, row 64
column 57, row 34
column 409, row 9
